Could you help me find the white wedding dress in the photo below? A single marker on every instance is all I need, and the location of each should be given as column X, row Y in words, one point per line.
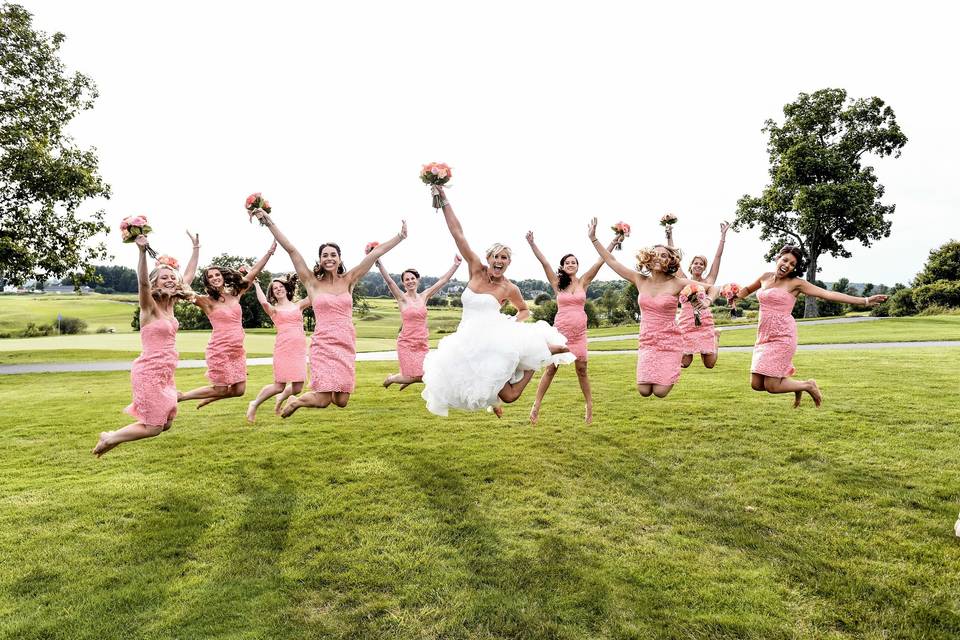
column 469, row 367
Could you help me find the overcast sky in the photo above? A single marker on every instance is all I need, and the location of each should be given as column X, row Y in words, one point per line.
column 548, row 112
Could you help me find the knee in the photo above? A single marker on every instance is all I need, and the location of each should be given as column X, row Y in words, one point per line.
column 509, row 396
column 581, row 369
column 757, row 385
column 770, row 385
column 661, row 393
column 644, row 391
column 297, row 387
column 239, row 389
column 685, row 364
column 167, row 426
column 155, row 430
column 341, row 400
column 709, row 365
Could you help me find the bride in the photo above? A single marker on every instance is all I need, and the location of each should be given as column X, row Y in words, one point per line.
column 491, row 357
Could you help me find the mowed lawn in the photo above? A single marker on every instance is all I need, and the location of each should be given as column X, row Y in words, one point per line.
column 107, row 311
column 716, row 513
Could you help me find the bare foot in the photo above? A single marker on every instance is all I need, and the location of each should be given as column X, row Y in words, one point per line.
column 179, row 396
column 797, row 396
column 251, row 412
column 534, row 415
column 497, row 411
column 815, row 393
column 278, row 405
column 555, row 349
column 405, row 385
column 388, row 381
column 290, row 407
column 588, row 415
column 104, row 444
column 204, row 402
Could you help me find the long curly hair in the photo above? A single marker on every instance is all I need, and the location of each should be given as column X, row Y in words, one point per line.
column 647, row 255
column 289, row 283
column 232, row 282
column 318, row 269
column 182, row 292
column 797, row 253
column 563, row 278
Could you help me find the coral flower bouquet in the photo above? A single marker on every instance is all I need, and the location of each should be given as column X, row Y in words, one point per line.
column 436, row 174
column 691, row 294
column 622, row 230
column 257, row 201
column 730, row 292
column 668, row 220
column 132, row 227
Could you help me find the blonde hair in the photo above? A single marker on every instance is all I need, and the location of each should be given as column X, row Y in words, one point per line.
column 705, row 263
column 496, row 247
column 647, row 255
column 182, row 292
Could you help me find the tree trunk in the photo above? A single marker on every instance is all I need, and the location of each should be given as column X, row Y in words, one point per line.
column 810, row 303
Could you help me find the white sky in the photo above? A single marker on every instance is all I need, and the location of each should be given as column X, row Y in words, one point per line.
column 548, row 112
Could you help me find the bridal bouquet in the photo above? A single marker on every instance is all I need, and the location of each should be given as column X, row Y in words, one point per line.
column 371, row 246
column 668, row 219
column 436, row 174
column 168, row 261
column 691, row 294
column 257, row 201
column 730, row 292
column 133, row 227
column 622, row 229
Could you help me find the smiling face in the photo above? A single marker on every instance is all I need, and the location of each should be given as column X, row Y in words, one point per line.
column 698, row 266
column 786, row 265
column 570, row 265
column 215, row 278
column 329, row 258
column 410, row 281
column 498, row 259
column 661, row 259
column 166, row 281
column 279, row 291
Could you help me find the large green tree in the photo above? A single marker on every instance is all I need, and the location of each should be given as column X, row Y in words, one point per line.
column 44, row 175
column 943, row 264
column 821, row 194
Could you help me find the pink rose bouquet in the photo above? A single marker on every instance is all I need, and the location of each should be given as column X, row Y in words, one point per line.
column 692, row 294
column 168, row 261
column 622, row 229
column 371, row 246
column 668, row 220
column 730, row 292
column 257, row 201
column 133, row 227
column 436, row 174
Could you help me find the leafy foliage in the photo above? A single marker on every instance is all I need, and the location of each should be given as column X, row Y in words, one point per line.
column 943, row 264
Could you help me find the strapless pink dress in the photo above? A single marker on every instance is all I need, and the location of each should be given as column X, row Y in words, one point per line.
column 776, row 334
column 290, row 347
column 154, row 389
column 412, row 343
column 333, row 347
column 702, row 339
column 660, row 345
column 226, row 357
column 571, row 321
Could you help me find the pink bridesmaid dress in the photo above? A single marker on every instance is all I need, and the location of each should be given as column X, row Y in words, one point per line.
column 412, row 343
column 290, row 347
column 154, row 390
column 226, row 357
column 776, row 334
column 333, row 347
column 660, row 346
column 571, row 322
column 702, row 339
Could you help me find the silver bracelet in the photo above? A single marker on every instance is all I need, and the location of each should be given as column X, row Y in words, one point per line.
column 444, row 203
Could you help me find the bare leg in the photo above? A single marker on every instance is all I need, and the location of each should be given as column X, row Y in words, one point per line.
column 644, row 389
column 136, row 431
column 709, row 359
column 796, row 387
column 661, row 390
column 686, row 360
column 266, row 392
column 341, row 398
column 545, row 381
column 402, row 380
column 316, row 399
column 555, row 349
column 512, row 390
column 581, row 368
column 412, row 381
column 290, row 389
column 756, row 382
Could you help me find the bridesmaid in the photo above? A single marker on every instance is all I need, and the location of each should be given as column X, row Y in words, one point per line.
column 290, row 346
column 330, row 291
column 412, row 343
column 154, row 391
column 571, row 320
column 772, row 363
column 660, row 348
column 702, row 339
column 225, row 355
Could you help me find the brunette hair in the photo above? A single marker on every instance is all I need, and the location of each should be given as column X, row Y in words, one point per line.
column 289, row 284
column 318, row 269
column 797, row 253
column 563, row 278
column 647, row 255
column 416, row 274
column 182, row 292
column 232, row 282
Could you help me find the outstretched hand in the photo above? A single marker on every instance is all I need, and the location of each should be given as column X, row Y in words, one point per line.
column 142, row 242
column 194, row 239
column 592, row 229
column 457, row 260
column 724, row 226
column 403, row 230
column 530, row 237
column 875, row 300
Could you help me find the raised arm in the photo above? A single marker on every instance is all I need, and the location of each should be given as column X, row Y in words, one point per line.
column 394, row 289
column 456, row 230
column 304, row 272
column 258, row 267
column 191, row 271
column 516, row 299
column 669, row 232
column 750, row 288
column 622, row 270
column 594, row 269
column 715, row 267
column 552, row 277
column 143, row 279
column 810, row 289
column 262, row 299
column 444, row 279
column 358, row 271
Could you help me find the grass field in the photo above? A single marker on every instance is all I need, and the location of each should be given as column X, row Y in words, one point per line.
column 716, row 513
column 114, row 311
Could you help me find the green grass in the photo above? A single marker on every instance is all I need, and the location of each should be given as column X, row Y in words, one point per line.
column 114, row 311
column 915, row 329
column 716, row 513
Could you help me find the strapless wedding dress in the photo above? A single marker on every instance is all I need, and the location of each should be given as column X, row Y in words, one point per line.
column 469, row 367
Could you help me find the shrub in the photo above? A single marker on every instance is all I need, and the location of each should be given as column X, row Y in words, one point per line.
column 508, row 309
column 540, row 299
column 943, row 293
column 32, row 330
column 455, row 301
column 437, row 301
column 106, row 330
column 899, row 304
column 593, row 318
column 545, row 311
column 71, row 326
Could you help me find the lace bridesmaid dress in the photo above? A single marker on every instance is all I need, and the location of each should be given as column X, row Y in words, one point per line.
column 702, row 339
column 660, row 348
column 333, row 347
column 571, row 321
column 226, row 357
column 154, row 389
column 776, row 334
column 290, row 347
column 412, row 343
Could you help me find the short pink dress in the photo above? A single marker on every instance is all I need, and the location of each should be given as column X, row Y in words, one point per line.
column 660, row 346
column 333, row 347
column 154, row 389
column 290, row 347
column 702, row 339
column 412, row 343
column 571, row 322
column 226, row 357
column 776, row 334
